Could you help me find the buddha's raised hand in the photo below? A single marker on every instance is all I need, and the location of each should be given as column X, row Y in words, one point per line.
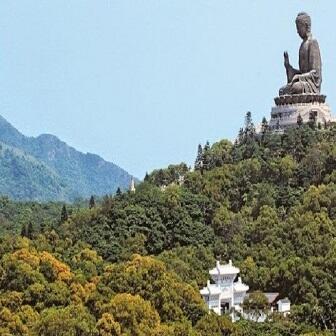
column 286, row 59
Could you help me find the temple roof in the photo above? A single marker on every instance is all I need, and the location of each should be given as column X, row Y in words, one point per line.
column 210, row 289
column 285, row 300
column 224, row 269
column 239, row 286
column 271, row 297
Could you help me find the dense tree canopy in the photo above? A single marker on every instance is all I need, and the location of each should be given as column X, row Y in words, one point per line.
column 133, row 263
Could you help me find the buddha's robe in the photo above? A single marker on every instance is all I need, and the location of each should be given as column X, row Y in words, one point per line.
column 309, row 77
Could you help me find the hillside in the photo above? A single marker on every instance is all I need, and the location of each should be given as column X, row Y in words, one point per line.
column 52, row 170
column 267, row 201
column 24, row 177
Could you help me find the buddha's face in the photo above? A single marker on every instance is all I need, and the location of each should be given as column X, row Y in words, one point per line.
column 302, row 29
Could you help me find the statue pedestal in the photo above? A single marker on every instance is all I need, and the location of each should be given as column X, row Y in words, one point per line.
column 288, row 108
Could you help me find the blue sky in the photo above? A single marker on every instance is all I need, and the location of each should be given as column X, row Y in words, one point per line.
column 141, row 83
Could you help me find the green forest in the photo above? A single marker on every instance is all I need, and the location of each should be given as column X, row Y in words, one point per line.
column 132, row 264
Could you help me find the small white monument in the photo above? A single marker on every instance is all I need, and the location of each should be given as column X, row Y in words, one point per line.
column 132, row 186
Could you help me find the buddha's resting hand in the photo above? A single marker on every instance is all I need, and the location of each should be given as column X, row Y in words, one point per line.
column 296, row 78
column 303, row 76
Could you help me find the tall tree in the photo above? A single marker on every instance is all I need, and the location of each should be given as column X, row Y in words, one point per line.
column 92, row 202
column 118, row 192
column 199, row 158
column 312, row 120
column 264, row 129
column 240, row 136
column 64, row 214
column 249, row 126
column 206, row 157
column 299, row 120
column 30, row 230
column 24, row 230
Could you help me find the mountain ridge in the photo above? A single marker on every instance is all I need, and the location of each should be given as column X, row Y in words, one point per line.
column 83, row 174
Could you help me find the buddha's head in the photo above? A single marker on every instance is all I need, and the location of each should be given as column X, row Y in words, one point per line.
column 303, row 25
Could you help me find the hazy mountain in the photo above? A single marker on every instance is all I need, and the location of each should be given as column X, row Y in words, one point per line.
column 46, row 168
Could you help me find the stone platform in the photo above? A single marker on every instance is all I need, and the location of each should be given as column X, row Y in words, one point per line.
column 306, row 98
column 288, row 108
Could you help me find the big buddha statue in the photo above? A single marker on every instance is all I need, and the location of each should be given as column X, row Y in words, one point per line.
column 308, row 78
column 300, row 101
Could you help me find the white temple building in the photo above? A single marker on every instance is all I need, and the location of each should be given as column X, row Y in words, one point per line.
column 225, row 293
column 226, row 296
